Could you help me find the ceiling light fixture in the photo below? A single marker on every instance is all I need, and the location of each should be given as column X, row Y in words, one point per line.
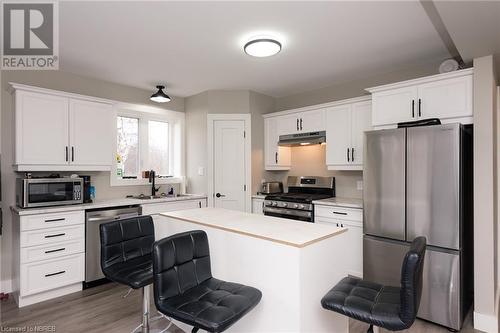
column 262, row 47
column 160, row 96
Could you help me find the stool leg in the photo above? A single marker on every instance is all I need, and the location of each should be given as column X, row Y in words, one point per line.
column 370, row 329
column 145, row 309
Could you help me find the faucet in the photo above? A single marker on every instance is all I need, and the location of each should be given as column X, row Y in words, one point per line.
column 152, row 176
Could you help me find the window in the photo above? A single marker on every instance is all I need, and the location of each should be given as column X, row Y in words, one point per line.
column 127, row 155
column 148, row 141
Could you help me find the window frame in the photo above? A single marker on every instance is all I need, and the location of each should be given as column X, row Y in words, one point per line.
column 176, row 152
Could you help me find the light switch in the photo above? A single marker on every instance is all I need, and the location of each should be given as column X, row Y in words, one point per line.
column 359, row 185
column 201, row 171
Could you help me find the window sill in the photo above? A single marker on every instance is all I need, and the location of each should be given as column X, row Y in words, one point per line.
column 145, row 182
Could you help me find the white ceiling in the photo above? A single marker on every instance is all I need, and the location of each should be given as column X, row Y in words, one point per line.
column 197, row 46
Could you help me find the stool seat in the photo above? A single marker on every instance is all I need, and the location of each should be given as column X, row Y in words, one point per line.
column 366, row 301
column 213, row 305
column 135, row 273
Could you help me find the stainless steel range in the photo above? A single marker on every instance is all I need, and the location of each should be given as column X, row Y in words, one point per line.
column 297, row 202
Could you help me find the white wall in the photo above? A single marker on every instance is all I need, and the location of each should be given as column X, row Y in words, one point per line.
column 65, row 82
column 485, row 195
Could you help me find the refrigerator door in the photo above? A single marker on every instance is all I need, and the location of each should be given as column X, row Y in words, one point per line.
column 384, row 183
column 433, row 184
column 440, row 302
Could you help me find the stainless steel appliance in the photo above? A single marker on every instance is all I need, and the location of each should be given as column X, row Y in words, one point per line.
column 93, row 219
column 418, row 182
column 300, row 139
column 271, row 187
column 297, row 202
column 41, row 192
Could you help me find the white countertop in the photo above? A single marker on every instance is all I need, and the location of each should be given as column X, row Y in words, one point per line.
column 284, row 231
column 340, row 202
column 104, row 204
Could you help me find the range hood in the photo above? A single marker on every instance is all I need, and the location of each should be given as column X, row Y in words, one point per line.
column 302, row 139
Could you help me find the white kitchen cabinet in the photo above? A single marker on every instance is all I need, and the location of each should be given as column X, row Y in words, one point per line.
column 160, row 207
column 345, row 125
column 58, row 131
column 445, row 96
column 351, row 219
column 302, row 122
column 41, row 123
column 91, row 135
column 48, row 255
column 276, row 157
column 258, row 206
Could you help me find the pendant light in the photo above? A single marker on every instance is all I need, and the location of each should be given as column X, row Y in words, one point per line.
column 160, row 96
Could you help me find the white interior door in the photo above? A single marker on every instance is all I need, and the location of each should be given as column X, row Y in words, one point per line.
column 229, row 164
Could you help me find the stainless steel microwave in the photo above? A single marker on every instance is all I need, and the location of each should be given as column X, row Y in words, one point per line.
column 41, row 192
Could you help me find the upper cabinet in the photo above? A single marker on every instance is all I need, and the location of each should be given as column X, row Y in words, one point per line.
column 276, row 157
column 58, row 132
column 302, row 122
column 345, row 127
column 445, row 96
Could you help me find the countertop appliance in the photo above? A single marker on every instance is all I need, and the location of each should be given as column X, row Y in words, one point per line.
column 271, row 188
column 418, row 182
column 86, row 189
column 93, row 219
column 297, row 202
column 48, row 191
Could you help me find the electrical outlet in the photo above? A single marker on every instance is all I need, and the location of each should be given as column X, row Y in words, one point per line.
column 359, row 185
column 201, row 171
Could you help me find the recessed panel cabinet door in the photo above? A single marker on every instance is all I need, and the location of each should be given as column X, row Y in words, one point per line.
column 446, row 98
column 361, row 121
column 91, row 129
column 276, row 158
column 41, row 128
column 312, row 121
column 338, row 135
column 394, row 106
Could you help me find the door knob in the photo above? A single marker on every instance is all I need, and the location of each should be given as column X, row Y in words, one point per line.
column 218, row 195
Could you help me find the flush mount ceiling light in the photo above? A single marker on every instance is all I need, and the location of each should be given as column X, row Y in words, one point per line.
column 262, row 47
column 160, row 96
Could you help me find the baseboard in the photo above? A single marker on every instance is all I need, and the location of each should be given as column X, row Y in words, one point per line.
column 486, row 322
column 6, row 286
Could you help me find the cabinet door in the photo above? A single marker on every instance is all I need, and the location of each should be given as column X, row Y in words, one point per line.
column 91, row 133
column 360, row 122
column 338, row 135
column 257, row 206
column 394, row 106
column 288, row 124
column 276, row 158
column 312, row 121
column 446, row 98
column 41, row 129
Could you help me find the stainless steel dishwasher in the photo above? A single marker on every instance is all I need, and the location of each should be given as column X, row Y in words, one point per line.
column 93, row 219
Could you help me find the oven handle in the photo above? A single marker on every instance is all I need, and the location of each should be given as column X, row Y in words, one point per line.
column 291, row 212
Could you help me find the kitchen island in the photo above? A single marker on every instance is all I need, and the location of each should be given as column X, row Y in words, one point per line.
column 293, row 263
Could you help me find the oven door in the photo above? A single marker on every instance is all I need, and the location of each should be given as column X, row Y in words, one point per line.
column 294, row 214
column 52, row 192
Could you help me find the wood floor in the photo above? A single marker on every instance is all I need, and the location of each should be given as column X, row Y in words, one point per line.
column 102, row 309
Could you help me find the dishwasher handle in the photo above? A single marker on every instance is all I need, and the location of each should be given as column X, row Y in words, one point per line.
column 103, row 219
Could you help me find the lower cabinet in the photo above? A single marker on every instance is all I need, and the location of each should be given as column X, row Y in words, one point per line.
column 258, row 206
column 352, row 219
column 49, row 255
column 160, row 207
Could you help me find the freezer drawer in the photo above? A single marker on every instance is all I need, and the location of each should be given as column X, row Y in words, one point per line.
column 440, row 302
column 384, row 183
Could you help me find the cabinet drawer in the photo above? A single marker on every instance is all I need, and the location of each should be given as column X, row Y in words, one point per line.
column 50, row 274
column 52, row 235
column 43, row 252
column 33, row 222
column 340, row 213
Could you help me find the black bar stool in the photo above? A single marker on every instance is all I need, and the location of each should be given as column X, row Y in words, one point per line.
column 184, row 288
column 392, row 308
column 126, row 257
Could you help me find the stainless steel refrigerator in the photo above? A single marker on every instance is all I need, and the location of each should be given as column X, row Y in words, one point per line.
column 418, row 182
